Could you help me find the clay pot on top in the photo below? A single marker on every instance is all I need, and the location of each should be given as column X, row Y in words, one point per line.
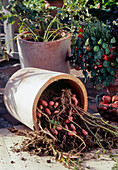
column 51, row 55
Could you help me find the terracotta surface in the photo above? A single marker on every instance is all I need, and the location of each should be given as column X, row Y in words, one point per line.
column 45, row 55
column 24, row 88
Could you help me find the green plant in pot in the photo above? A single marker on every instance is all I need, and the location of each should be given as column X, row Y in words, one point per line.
column 93, row 48
column 44, row 30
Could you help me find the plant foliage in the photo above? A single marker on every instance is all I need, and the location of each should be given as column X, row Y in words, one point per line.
column 93, row 47
column 35, row 15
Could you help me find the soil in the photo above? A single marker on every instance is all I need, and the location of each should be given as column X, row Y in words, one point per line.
column 65, row 140
column 28, row 36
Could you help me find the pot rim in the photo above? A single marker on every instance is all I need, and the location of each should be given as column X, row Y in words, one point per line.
column 77, row 85
column 68, row 36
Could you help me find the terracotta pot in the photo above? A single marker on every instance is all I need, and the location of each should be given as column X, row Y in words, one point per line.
column 50, row 55
column 24, row 88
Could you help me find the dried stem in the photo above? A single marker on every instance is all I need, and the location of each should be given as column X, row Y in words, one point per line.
column 97, row 118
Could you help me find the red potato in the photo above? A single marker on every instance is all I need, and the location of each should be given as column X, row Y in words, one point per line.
column 66, row 127
column 43, row 103
column 69, row 119
column 71, row 133
column 114, row 109
column 56, row 104
column 72, row 127
column 116, row 102
column 114, row 98
column 39, row 114
column 106, row 99
column 73, row 95
column 47, row 110
column 74, row 111
column 102, row 103
column 54, row 131
column 104, row 106
column 59, row 127
column 56, row 111
column 75, row 101
column 113, row 105
column 40, row 107
column 51, row 103
column 84, row 132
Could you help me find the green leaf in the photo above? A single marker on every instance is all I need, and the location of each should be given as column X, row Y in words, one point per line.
column 86, row 57
column 84, row 50
column 117, row 59
column 107, row 51
column 100, row 53
column 85, row 74
column 82, row 67
column 53, row 7
column 110, row 46
column 94, row 43
column 98, row 63
column 113, row 40
column 90, row 54
column 105, row 83
column 99, row 78
column 106, row 63
column 113, row 64
column 93, row 73
column 113, row 72
column 114, row 53
column 11, row 20
column 96, row 48
column 96, row 57
column 87, row 42
column 112, row 81
column 100, row 42
column 102, row 70
column 93, row 38
column 109, row 69
column 104, row 45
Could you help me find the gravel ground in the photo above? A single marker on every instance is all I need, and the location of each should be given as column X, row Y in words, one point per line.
column 4, row 123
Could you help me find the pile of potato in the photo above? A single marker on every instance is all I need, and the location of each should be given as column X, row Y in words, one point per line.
column 52, row 110
column 108, row 107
